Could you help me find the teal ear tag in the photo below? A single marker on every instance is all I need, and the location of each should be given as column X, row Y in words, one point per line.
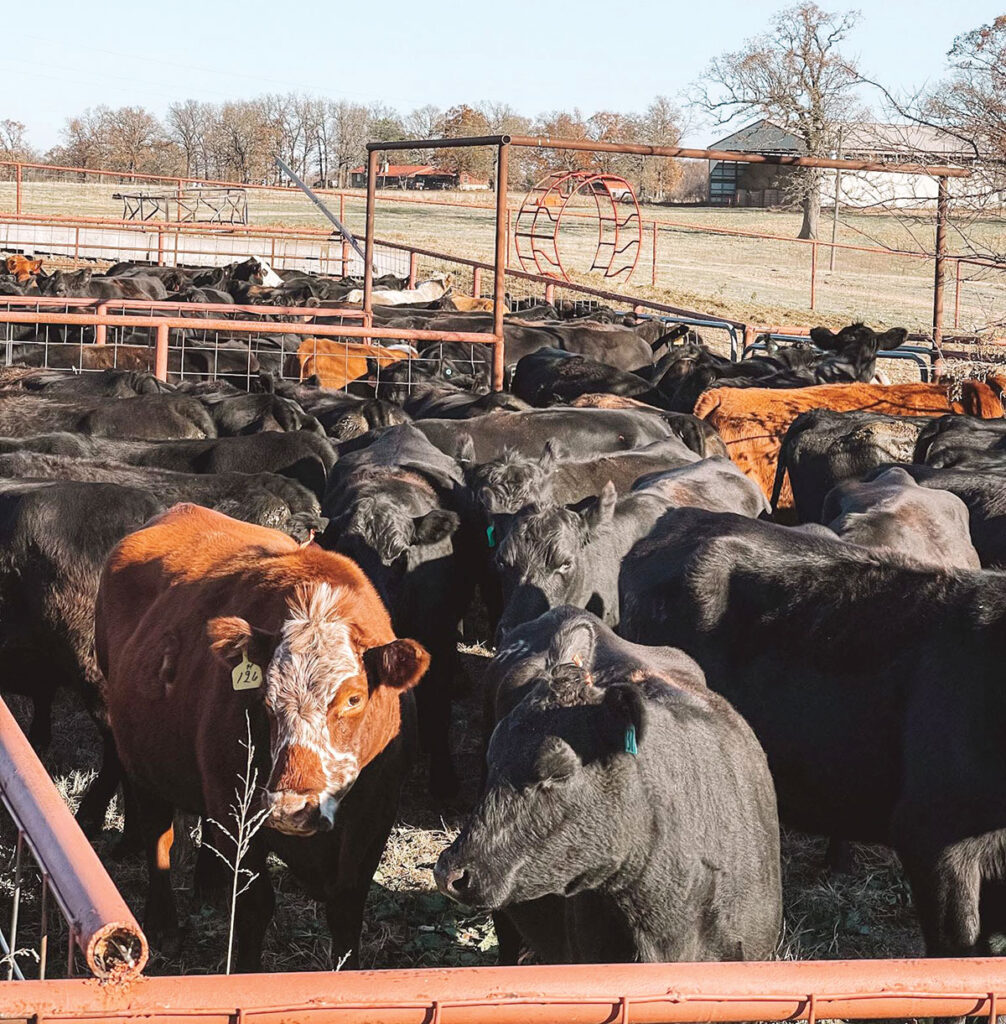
column 630, row 740
column 491, row 534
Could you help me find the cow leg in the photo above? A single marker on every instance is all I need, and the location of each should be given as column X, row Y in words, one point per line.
column 94, row 805
column 946, row 891
column 40, row 730
column 508, row 939
column 160, row 918
column 254, row 911
column 433, row 706
column 344, row 902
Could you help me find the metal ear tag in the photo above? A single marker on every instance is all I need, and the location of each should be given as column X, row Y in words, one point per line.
column 630, row 740
column 247, row 675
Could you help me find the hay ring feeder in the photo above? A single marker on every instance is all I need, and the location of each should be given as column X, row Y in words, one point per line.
column 616, row 210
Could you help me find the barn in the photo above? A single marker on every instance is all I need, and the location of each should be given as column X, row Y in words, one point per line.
column 760, row 185
column 419, row 176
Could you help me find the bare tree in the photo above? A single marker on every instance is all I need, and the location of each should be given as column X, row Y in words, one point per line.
column 347, row 133
column 14, row 141
column 796, row 76
column 971, row 101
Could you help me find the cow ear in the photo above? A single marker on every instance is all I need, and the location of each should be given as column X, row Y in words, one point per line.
column 556, row 761
column 602, row 511
column 891, row 339
column 435, row 526
column 231, row 638
column 466, row 450
column 823, row 337
column 624, row 703
column 552, row 454
column 399, row 665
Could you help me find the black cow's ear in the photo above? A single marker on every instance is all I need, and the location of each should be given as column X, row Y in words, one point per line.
column 466, row 450
column 552, row 454
column 625, row 703
column 400, row 664
column 556, row 761
column 435, row 526
column 823, row 337
column 602, row 511
column 891, row 339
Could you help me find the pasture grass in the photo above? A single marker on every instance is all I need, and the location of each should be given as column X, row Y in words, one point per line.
column 754, row 280
column 866, row 913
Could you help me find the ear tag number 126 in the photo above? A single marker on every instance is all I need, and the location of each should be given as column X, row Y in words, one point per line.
column 247, row 675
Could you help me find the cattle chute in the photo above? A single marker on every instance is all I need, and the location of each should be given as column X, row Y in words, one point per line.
column 537, row 232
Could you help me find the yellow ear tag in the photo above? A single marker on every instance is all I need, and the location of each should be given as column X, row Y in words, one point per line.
column 247, row 675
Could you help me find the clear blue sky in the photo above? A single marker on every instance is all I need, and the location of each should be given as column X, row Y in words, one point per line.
column 64, row 55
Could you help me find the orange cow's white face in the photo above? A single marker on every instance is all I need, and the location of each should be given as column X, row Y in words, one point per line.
column 319, row 684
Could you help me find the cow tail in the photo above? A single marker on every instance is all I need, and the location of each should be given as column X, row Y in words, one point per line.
column 780, row 468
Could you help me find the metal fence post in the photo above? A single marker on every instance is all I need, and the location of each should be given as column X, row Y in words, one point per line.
column 101, row 330
column 499, row 264
column 942, row 211
column 413, row 269
column 17, row 189
column 161, row 353
column 368, row 249
column 813, row 274
column 957, row 296
column 653, row 272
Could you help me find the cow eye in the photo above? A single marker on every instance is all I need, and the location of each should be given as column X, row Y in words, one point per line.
column 565, row 567
column 355, row 701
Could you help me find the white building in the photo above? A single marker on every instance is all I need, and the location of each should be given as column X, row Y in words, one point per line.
column 740, row 184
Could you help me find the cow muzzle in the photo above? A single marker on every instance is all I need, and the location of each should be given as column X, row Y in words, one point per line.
column 300, row 814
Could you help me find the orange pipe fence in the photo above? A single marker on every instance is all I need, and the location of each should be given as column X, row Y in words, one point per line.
column 568, row 994
column 101, row 925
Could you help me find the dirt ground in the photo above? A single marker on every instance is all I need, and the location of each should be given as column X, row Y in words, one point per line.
column 866, row 913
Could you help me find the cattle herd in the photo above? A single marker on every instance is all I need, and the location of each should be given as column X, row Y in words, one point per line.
column 721, row 594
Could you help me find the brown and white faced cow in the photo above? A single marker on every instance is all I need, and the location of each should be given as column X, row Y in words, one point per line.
column 327, row 697
column 203, row 622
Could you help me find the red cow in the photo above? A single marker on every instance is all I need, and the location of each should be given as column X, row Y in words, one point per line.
column 201, row 619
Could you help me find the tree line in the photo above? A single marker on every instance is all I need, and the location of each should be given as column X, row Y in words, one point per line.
column 323, row 139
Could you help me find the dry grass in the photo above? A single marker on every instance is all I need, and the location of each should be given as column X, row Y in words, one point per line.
column 748, row 279
column 866, row 913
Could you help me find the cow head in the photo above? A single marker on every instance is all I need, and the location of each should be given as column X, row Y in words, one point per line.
column 512, row 482
column 542, row 560
column 562, row 769
column 331, row 701
column 852, row 352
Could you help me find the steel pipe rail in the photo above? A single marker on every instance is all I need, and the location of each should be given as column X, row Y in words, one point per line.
column 568, row 994
column 101, row 924
column 680, row 152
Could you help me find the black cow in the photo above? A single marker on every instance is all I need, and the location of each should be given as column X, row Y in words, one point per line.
column 628, row 812
column 553, row 376
column 235, row 415
column 146, row 417
column 893, row 512
column 557, row 555
column 266, row 499
column 822, row 448
column 300, row 455
column 515, row 481
column 582, row 432
column 962, row 442
column 393, row 507
column 716, row 484
column 984, row 494
column 873, row 683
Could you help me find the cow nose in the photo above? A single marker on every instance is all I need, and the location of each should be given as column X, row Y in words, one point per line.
column 297, row 813
column 454, row 882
